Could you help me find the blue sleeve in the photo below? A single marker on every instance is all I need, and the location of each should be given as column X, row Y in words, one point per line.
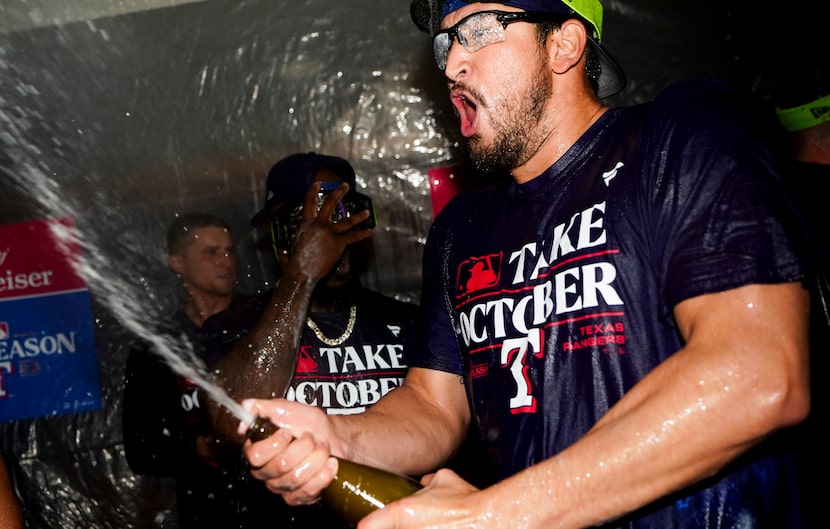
column 722, row 199
column 435, row 346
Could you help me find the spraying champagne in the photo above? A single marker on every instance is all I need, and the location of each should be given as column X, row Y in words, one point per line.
column 357, row 489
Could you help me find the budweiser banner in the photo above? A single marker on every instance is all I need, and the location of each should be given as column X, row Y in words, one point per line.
column 48, row 363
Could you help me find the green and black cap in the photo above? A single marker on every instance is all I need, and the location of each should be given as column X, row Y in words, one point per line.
column 427, row 15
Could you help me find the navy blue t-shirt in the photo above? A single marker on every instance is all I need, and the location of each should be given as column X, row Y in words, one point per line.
column 553, row 298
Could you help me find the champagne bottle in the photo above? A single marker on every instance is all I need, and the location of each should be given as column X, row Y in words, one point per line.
column 357, row 489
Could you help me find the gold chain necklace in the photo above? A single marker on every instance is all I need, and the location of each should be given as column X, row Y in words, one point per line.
column 340, row 339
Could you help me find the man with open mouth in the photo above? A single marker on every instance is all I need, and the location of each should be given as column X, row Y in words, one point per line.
column 621, row 313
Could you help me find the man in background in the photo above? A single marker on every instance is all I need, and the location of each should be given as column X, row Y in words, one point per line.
column 342, row 344
column 350, row 353
column 165, row 433
column 344, row 319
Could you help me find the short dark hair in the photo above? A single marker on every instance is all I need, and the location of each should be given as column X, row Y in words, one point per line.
column 178, row 234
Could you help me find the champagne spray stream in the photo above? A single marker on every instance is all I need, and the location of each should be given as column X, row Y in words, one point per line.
column 127, row 298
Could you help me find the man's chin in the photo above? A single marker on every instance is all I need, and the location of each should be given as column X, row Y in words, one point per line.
column 226, row 288
column 336, row 291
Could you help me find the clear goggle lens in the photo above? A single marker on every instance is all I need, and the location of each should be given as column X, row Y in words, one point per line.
column 482, row 29
column 473, row 32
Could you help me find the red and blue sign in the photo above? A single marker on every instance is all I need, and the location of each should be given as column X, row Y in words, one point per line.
column 48, row 361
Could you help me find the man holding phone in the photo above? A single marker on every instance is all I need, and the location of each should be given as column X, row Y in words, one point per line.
column 323, row 339
column 351, row 346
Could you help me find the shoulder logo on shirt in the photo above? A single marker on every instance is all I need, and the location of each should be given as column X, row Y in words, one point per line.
column 609, row 175
column 478, row 273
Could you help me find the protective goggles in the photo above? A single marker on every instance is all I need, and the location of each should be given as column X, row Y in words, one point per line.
column 285, row 223
column 482, row 29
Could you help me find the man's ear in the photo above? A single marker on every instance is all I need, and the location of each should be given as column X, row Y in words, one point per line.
column 567, row 45
column 175, row 263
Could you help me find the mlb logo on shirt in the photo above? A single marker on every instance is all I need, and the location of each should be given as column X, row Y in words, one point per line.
column 4, row 330
column 305, row 361
column 478, row 273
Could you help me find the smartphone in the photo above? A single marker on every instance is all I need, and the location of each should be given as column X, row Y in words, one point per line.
column 351, row 203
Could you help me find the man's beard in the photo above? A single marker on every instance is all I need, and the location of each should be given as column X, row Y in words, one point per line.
column 338, row 290
column 336, row 297
column 517, row 136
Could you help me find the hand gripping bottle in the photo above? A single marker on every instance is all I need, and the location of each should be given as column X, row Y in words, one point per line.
column 357, row 489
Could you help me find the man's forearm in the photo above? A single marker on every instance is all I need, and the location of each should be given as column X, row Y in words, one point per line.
column 262, row 364
column 407, row 430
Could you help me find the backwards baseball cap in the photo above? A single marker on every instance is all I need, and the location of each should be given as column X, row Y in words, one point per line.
column 427, row 15
column 290, row 178
column 803, row 97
